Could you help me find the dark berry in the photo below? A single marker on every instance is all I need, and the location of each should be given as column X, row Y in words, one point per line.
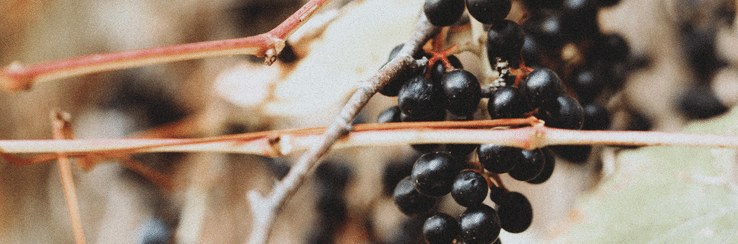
column 700, row 102
column 564, row 113
column 541, row 86
column 548, row 167
column 441, row 229
column 462, row 92
column 395, row 171
column 393, row 87
column 530, row 167
column 608, row 3
column 391, row 114
column 496, row 194
column 515, row 213
column 576, row 154
column 700, row 48
column 531, row 51
column 499, row 159
column 410, row 201
column 434, row 173
column 546, row 28
column 333, row 175
column 611, row 48
column 461, row 150
column 596, row 117
column 505, row 40
column 488, row 11
column 443, row 12
column 588, row 82
column 439, row 69
column 507, row 102
column 579, row 18
column 535, row 5
column 639, row 121
column 479, row 224
column 469, row 189
column 419, row 98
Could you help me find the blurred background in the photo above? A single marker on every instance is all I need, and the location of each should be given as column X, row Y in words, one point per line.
column 681, row 68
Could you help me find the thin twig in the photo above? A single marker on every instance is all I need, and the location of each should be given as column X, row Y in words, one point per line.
column 17, row 77
column 62, row 130
column 266, row 208
column 283, row 142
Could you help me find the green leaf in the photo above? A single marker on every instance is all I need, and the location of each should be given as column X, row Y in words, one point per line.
column 664, row 195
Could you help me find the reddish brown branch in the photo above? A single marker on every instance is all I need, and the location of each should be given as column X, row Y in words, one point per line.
column 17, row 77
column 63, row 130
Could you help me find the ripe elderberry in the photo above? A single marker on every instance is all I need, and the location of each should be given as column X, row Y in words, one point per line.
column 439, row 69
column 505, row 40
column 479, row 224
column 488, row 11
column 542, row 86
column 443, row 12
column 530, row 166
column 391, row 114
column 515, row 212
column 462, row 92
column 469, row 189
column 434, row 173
column 419, row 98
column 548, row 167
column 441, row 228
column 564, row 112
column 499, row 159
column 410, row 201
column 507, row 102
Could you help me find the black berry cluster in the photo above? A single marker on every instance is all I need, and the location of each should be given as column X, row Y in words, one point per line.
column 528, row 59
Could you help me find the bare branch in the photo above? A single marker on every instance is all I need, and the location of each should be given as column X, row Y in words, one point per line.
column 17, row 77
column 266, row 208
column 63, row 130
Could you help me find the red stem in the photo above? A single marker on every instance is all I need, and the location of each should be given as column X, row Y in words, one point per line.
column 18, row 77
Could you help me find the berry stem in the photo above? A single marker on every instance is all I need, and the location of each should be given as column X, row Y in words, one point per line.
column 62, row 130
column 498, row 180
column 283, row 142
column 17, row 77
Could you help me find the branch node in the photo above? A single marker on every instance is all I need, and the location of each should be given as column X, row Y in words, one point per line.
column 13, row 80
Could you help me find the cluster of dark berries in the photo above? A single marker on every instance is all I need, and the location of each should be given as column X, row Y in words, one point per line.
column 439, row 173
column 528, row 59
column 564, row 36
